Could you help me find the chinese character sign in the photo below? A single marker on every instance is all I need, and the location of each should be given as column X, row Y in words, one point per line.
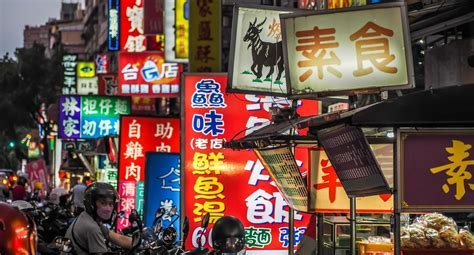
column 445, row 163
column 102, row 64
column 182, row 28
column 113, row 25
column 336, row 53
column 108, row 84
column 139, row 135
column 257, row 55
column 146, row 74
column 226, row 182
column 87, row 86
column 91, row 116
column 170, row 38
column 327, row 193
column 37, row 172
column 204, row 32
column 69, row 82
column 85, row 69
column 334, row 4
column 162, row 188
column 132, row 38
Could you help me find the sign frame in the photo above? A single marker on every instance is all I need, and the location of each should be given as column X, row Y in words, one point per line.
column 230, row 70
column 402, row 134
column 363, row 90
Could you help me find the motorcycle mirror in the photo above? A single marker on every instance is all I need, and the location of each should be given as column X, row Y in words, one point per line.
column 63, row 244
column 205, row 221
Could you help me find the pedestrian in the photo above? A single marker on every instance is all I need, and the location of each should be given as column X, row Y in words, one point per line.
column 19, row 191
column 78, row 195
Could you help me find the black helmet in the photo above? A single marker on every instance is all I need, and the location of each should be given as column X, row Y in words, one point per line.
column 96, row 191
column 228, row 235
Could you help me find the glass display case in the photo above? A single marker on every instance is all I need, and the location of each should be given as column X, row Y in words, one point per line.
column 336, row 233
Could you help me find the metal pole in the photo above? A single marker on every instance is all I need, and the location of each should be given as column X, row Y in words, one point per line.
column 396, row 210
column 353, row 225
column 320, row 233
column 291, row 227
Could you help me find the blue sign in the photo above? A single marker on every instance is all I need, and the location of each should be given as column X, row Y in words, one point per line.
column 113, row 25
column 162, row 187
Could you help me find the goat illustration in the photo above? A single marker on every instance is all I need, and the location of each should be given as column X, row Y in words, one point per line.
column 264, row 53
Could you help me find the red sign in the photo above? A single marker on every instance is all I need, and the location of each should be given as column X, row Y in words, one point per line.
column 37, row 172
column 139, row 135
column 227, row 182
column 153, row 16
column 147, row 74
column 108, row 85
column 132, row 38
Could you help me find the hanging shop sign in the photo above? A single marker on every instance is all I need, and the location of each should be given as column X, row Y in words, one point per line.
column 69, row 82
column 85, row 69
column 88, row 86
column 227, row 182
column 108, row 84
column 91, row 116
column 102, row 64
column 353, row 51
column 113, row 24
column 132, row 38
column 327, row 193
column 162, row 188
column 170, row 38
column 153, row 16
column 139, row 135
column 256, row 63
column 37, row 172
column 353, row 161
column 146, row 74
column 182, row 28
column 106, row 172
column 204, row 32
column 443, row 160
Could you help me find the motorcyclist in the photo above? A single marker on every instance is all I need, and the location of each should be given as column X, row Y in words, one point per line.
column 88, row 232
column 17, row 231
column 228, row 236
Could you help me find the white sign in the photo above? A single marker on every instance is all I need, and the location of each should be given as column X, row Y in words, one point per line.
column 88, row 86
column 339, row 52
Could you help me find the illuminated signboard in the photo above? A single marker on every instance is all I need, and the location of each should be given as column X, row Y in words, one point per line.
column 170, row 40
column 91, row 116
column 108, row 84
column 69, row 83
column 182, row 28
column 146, row 74
column 132, row 38
column 113, row 25
column 227, row 182
column 102, row 63
column 256, row 63
column 362, row 49
column 85, row 69
column 87, row 86
column 204, row 32
column 139, row 135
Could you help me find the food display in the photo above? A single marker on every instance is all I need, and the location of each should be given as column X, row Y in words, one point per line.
column 435, row 231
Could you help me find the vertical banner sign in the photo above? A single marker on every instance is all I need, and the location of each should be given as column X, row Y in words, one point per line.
column 91, row 116
column 436, row 170
column 37, row 172
column 204, row 32
column 169, row 29
column 69, row 83
column 108, row 84
column 256, row 53
column 162, row 188
column 327, row 193
column 132, row 38
column 182, row 28
column 153, row 24
column 101, row 63
column 339, row 52
column 147, row 74
column 139, row 135
column 227, row 182
column 113, row 25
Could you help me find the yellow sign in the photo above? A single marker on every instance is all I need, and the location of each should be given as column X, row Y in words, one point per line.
column 182, row 27
column 204, row 32
column 339, row 52
column 327, row 193
column 86, row 69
